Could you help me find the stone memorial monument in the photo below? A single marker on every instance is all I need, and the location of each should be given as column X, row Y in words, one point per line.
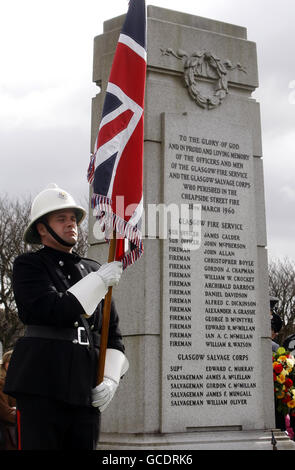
column 194, row 309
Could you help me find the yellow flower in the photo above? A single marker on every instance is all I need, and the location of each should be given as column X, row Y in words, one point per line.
column 291, row 404
column 281, row 350
column 281, row 378
column 282, row 358
column 281, row 395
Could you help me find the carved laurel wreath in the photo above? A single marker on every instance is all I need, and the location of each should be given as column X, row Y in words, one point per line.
column 206, row 65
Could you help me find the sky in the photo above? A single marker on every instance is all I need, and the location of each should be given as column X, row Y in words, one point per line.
column 46, row 90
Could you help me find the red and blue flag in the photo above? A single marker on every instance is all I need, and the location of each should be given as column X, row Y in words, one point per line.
column 116, row 165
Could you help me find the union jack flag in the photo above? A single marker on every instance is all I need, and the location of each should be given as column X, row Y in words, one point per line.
column 116, row 165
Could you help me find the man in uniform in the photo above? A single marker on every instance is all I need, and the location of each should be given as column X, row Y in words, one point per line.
column 59, row 296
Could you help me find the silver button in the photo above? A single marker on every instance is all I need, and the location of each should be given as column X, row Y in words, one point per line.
column 76, row 324
column 69, row 276
column 82, row 266
column 61, row 263
column 92, row 327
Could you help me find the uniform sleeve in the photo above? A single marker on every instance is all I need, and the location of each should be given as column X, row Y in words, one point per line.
column 37, row 299
column 115, row 335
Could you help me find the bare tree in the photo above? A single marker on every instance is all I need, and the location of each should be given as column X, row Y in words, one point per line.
column 13, row 221
column 282, row 286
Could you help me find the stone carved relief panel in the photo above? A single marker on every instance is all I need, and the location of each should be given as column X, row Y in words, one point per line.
column 205, row 65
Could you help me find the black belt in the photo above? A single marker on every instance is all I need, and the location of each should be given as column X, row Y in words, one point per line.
column 75, row 335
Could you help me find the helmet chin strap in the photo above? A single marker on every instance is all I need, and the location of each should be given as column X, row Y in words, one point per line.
column 57, row 237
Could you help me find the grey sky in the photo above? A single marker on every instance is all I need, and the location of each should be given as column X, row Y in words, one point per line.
column 46, row 91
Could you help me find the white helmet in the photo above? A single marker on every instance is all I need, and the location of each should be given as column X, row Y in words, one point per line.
column 50, row 199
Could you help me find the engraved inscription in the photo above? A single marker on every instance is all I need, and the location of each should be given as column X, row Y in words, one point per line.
column 209, row 315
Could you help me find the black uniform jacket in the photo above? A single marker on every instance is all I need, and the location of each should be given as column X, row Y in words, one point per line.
column 55, row 368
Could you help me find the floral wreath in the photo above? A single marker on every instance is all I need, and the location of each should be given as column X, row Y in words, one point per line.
column 284, row 379
column 205, row 64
